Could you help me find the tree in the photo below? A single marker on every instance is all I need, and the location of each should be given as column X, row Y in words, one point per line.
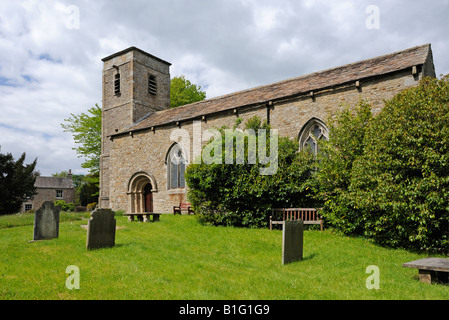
column 387, row 177
column 88, row 191
column 16, row 182
column 86, row 130
column 347, row 131
column 401, row 182
column 183, row 92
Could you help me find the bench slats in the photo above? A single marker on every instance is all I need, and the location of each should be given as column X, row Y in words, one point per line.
column 183, row 207
column 307, row 215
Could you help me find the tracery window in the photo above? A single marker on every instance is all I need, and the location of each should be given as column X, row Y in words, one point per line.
column 176, row 166
column 313, row 131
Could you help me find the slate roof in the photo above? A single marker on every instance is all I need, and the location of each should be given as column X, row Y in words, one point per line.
column 53, row 183
column 298, row 86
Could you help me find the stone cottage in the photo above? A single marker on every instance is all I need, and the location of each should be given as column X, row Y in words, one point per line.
column 51, row 189
column 137, row 173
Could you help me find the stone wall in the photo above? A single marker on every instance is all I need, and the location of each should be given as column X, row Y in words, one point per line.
column 131, row 104
column 290, row 116
column 146, row 151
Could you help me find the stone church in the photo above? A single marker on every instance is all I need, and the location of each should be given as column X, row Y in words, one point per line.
column 137, row 173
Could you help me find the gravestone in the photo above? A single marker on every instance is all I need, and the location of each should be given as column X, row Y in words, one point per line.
column 292, row 241
column 46, row 221
column 101, row 229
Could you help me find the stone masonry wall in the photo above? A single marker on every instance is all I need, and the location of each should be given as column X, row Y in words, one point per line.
column 146, row 151
column 131, row 104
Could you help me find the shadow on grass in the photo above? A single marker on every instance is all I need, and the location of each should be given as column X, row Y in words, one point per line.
column 310, row 256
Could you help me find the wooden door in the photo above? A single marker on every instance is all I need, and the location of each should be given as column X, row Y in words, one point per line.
column 148, row 198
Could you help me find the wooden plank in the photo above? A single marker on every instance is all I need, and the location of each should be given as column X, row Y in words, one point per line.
column 307, row 215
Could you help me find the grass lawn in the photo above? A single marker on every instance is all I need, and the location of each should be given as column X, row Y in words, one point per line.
column 177, row 258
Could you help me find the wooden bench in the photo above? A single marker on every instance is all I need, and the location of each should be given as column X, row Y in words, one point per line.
column 182, row 207
column 143, row 216
column 307, row 215
column 431, row 269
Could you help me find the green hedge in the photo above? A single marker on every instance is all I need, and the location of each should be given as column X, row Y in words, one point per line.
column 237, row 194
column 64, row 205
column 395, row 170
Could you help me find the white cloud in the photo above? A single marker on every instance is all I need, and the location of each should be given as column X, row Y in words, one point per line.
column 49, row 69
column 53, row 153
column 267, row 18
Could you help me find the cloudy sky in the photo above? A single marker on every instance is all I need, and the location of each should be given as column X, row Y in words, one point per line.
column 51, row 51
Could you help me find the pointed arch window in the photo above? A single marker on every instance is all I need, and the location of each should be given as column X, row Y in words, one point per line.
column 176, row 167
column 313, row 131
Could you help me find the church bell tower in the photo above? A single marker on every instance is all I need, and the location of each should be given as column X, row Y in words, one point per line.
column 135, row 84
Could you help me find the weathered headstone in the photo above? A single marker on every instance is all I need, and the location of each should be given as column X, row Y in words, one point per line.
column 46, row 221
column 292, row 241
column 101, row 229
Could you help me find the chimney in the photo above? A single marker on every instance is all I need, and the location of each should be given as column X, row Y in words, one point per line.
column 70, row 174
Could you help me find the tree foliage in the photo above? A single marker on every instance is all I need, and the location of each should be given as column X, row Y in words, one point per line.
column 183, row 92
column 86, row 130
column 16, row 182
column 332, row 178
column 397, row 190
column 88, row 190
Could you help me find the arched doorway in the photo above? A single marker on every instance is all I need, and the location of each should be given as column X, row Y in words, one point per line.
column 141, row 187
column 148, row 196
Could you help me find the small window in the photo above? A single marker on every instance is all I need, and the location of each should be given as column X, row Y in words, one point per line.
column 152, row 85
column 28, row 207
column 58, row 194
column 117, row 84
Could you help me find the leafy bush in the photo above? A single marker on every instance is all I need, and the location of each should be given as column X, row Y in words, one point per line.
column 336, row 158
column 65, row 206
column 394, row 184
column 237, row 194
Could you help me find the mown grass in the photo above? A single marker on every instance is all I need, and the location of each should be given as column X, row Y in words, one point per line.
column 26, row 219
column 179, row 259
